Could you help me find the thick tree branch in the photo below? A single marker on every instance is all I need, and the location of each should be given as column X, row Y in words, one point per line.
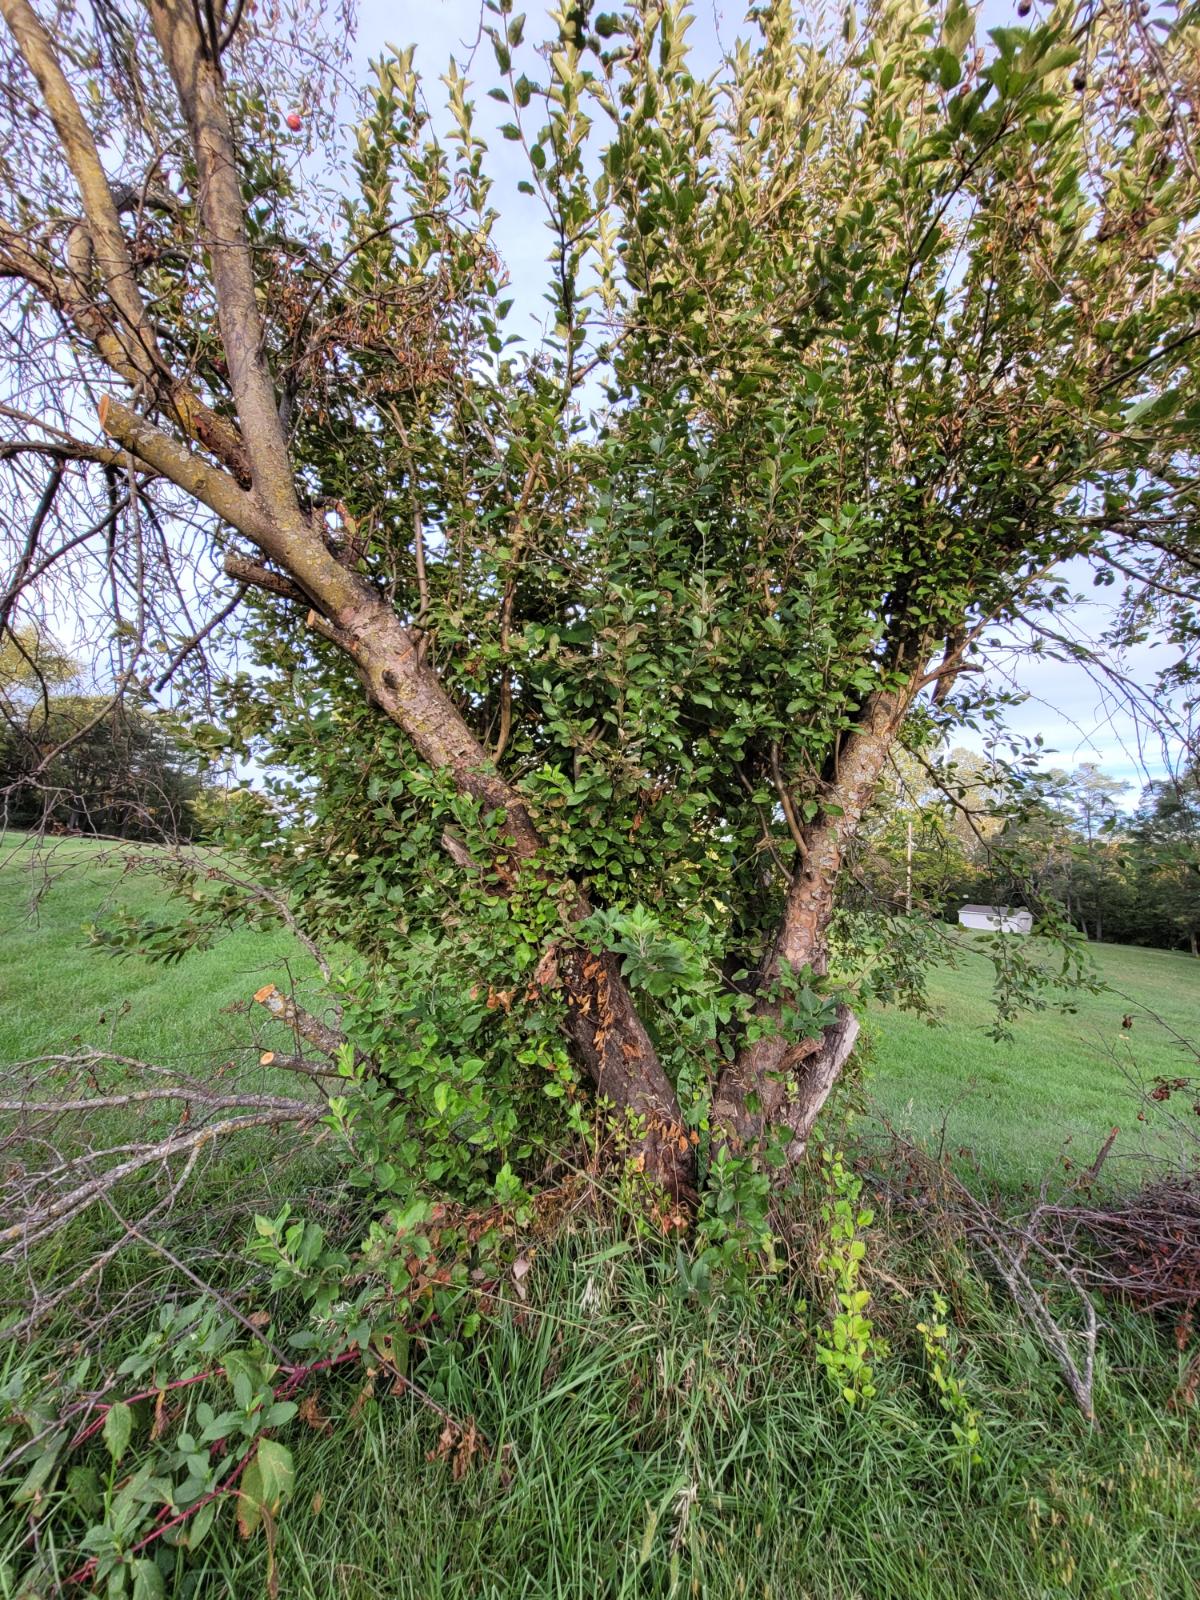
column 187, row 470
column 284, row 1009
column 197, row 80
column 131, row 349
column 109, row 247
column 253, row 575
column 755, row 1092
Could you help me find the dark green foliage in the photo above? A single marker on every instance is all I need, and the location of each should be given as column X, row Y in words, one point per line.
column 83, row 764
column 854, row 342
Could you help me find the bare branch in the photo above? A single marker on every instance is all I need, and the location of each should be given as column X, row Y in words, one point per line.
column 140, row 1097
column 254, row 573
column 785, row 800
column 111, row 251
column 284, row 1009
column 45, row 1219
column 298, row 1064
column 36, row 524
column 197, row 639
column 197, row 77
column 131, row 349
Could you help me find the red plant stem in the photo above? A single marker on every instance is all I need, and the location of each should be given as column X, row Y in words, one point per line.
column 83, row 1573
column 294, row 1379
column 106, row 1406
column 213, row 1494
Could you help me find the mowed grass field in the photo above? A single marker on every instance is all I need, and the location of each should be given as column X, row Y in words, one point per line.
column 1053, row 1091
column 58, row 991
column 636, row 1440
column 1064, row 1080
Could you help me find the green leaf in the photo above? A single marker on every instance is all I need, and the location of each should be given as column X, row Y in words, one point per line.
column 199, row 1525
column 958, row 27
column 276, row 1471
column 118, row 1426
column 147, row 1580
column 947, row 66
column 39, row 1474
column 83, row 1485
column 1152, row 407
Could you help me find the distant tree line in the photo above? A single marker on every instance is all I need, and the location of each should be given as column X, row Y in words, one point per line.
column 73, row 761
column 961, row 829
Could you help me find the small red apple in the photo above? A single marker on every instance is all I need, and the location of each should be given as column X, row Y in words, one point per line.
column 294, row 121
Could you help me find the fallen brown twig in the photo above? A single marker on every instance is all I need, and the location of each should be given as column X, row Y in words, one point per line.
column 1028, row 1265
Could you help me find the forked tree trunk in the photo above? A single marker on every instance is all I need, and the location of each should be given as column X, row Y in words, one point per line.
column 776, row 1080
column 780, row 1082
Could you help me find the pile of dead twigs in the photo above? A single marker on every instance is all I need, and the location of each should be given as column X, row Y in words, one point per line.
column 1143, row 1247
column 1057, row 1256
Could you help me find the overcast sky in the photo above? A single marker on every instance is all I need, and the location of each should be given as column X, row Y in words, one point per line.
column 1076, row 719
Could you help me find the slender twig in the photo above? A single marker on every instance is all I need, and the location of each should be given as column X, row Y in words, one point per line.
column 785, row 800
column 207, row 1289
column 198, row 638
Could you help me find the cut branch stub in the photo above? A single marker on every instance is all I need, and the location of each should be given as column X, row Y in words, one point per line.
column 771, row 1097
column 284, row 1009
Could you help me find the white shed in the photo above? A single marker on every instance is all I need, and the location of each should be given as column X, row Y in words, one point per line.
column 996, row 919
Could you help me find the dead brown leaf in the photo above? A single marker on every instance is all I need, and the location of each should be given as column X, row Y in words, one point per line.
column 310, row 1412
column 459, row 1443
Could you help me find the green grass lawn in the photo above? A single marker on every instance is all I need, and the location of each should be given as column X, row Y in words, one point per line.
column 635, row 1439
column 1060, row 1085
column 56, row 990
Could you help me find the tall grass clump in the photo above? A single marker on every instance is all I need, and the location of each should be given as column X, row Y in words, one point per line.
column 611, row 1430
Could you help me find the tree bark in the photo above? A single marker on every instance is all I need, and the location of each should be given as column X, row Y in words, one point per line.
column 775, row 1082
column 609, row 1035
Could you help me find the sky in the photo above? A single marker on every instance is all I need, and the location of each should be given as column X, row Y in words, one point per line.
column 1077, row 719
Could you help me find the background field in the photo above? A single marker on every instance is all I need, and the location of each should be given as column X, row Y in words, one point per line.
column 1063, row 1081
column 56, row 988
column 641, row 1440
column 1057, row 1088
